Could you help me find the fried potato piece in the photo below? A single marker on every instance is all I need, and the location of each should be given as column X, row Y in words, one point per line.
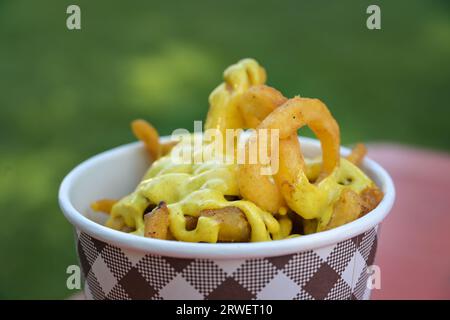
column 295, row 188
column 346, row 209
column 358, row 154
column 166, row 147
column 233, row 224
column 103, row 205
column 298, row 112
column 145, row 132
column 255, row 105
column 370, row 198
column 157, row 222
column 258, row 102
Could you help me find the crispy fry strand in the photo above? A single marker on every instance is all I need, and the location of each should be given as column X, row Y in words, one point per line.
column 103, row 205
column 358, row 154
column 145, row 132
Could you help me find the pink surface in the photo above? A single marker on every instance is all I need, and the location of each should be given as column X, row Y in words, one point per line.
column 414, row 247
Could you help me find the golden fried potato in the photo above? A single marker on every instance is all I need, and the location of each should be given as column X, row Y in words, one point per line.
column 358, row 154
column 346, row 209
column 145, row 132
column 295, row 188
column 157, row 222
column 233, row 224
column 370, row 198
column 258, row 102
column 103, row 205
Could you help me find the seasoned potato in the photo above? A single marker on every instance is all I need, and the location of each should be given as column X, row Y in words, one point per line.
column 233, row 224
column 157, row 222
column 370, row 198
column 345, row 210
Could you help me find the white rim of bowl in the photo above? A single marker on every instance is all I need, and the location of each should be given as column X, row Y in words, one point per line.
column 189, row 250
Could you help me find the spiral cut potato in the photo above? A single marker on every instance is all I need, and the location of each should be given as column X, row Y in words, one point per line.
column 220, row 201
column 334, row 199
column 300, row 195
column 255, row 105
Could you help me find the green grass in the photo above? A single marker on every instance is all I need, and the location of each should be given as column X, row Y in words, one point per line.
column 67, row 95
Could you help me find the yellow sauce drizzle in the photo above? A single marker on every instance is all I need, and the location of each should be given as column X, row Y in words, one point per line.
column 189, row 188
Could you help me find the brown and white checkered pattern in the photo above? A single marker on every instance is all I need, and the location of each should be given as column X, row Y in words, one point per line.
column 338, row 271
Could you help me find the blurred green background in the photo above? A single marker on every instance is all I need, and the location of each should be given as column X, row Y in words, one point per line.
column 67, row 95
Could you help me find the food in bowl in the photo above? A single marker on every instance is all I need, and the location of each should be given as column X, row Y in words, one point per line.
column 252, row 186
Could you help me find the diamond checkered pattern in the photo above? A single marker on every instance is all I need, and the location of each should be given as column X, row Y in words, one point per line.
column 335, row 272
